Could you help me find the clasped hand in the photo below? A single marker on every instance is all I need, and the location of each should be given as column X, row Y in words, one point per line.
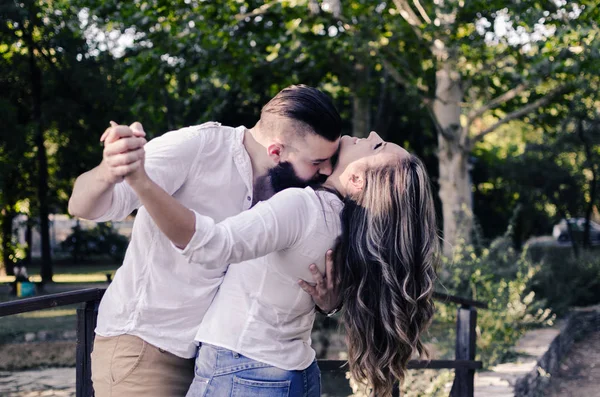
column 123, row 155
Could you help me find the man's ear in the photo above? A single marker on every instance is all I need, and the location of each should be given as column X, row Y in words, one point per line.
column 274, row 151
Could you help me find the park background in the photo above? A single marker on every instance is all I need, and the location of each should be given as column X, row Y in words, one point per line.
column 499, row 98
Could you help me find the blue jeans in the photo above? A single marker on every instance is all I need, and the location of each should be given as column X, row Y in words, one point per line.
column 223, row 373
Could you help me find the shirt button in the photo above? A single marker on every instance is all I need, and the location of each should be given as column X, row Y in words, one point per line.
column 249, row 198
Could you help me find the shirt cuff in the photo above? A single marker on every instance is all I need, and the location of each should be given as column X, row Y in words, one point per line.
column 120, row 207
column 204, row 231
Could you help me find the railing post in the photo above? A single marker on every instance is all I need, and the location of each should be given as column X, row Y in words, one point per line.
column 396, row 390
column 464, row 379
column 86, row 323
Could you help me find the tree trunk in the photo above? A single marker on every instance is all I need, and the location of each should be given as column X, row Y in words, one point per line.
column 168, row 106
column 7, row 247
column 361, row 105
column 382, row 119
column 592, row 166
column 454, row 180
column 28, row 240
column 574, row 243
column 42, row 161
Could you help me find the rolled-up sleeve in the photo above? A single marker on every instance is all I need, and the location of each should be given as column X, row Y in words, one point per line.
column 124, row 201
column 168, row 161
column 273, row 225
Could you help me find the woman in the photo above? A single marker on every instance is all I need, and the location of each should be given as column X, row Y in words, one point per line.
column 256, row 335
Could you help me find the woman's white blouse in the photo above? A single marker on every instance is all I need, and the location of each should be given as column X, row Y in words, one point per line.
column 260, row 311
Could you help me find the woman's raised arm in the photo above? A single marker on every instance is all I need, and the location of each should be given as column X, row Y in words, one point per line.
column 269, row 226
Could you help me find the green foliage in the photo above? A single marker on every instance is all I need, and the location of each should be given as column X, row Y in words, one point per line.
column 223, row 60
column 565, row 280
column 427, row 382
column 192, row 61
column 102, row 240
column 500, row 276
column 549, row 168
column 57, row 99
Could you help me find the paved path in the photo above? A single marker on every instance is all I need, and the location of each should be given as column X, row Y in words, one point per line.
column 579, row 375
column 56, row 382
column 499, row 381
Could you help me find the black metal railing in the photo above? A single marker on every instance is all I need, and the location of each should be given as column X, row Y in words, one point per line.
column 464, row 364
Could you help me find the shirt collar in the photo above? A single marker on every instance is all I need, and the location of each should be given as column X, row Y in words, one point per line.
column 241, row 157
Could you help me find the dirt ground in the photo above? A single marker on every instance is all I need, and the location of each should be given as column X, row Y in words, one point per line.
column 579, row 374
column 19, row 356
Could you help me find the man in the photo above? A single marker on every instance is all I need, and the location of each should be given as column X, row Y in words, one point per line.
column 149, row 315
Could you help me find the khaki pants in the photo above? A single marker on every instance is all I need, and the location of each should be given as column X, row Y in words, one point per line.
column 128, row 366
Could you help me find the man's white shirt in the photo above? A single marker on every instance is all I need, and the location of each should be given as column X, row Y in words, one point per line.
column 157, row 294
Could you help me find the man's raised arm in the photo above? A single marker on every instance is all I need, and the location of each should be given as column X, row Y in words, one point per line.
column 93, row 190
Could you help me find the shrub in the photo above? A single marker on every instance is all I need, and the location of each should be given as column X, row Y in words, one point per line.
column 418, row 383
column 566, row 280
column 102, row 240
column 499, row 276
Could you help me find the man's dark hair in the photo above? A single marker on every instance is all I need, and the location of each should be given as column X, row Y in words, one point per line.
column 310, row 106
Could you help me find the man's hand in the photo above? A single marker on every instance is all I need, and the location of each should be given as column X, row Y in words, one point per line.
column 93, row 190
column 123, row 151
column 324, row 293
column 138, row 173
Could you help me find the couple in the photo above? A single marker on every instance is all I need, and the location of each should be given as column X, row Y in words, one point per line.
column 195, row 189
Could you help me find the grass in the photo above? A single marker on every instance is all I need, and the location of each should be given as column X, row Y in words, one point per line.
column 67, row 276
column 54, row 321
column 65, row 272
column 37, row 355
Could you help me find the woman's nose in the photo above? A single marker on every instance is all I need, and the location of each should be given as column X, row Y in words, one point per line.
column 374, row 136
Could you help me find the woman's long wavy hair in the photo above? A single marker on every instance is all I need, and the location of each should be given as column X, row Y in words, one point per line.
column 385, row 262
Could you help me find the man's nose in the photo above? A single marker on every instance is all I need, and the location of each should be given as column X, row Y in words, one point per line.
column 326, row 168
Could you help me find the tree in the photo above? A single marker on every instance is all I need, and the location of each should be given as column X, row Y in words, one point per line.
column 472, row 66
column 488, row 63
column 548, row 167
column 475, row 66
column 578, row 132
column 58, row 92
column 16, row 159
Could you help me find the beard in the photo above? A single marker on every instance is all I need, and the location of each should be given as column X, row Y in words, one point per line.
column 283, row 176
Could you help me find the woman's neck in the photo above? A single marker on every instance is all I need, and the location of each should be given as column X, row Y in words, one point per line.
column 333, row 183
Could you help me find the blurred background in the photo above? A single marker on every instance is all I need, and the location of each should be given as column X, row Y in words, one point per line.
column 499, row 98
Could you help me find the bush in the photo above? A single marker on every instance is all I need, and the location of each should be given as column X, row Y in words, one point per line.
column 102, row 240
column 566, row 280
column 499, row 276
column 418, row 383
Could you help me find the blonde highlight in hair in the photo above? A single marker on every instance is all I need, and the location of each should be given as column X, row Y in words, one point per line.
column 386, row 266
